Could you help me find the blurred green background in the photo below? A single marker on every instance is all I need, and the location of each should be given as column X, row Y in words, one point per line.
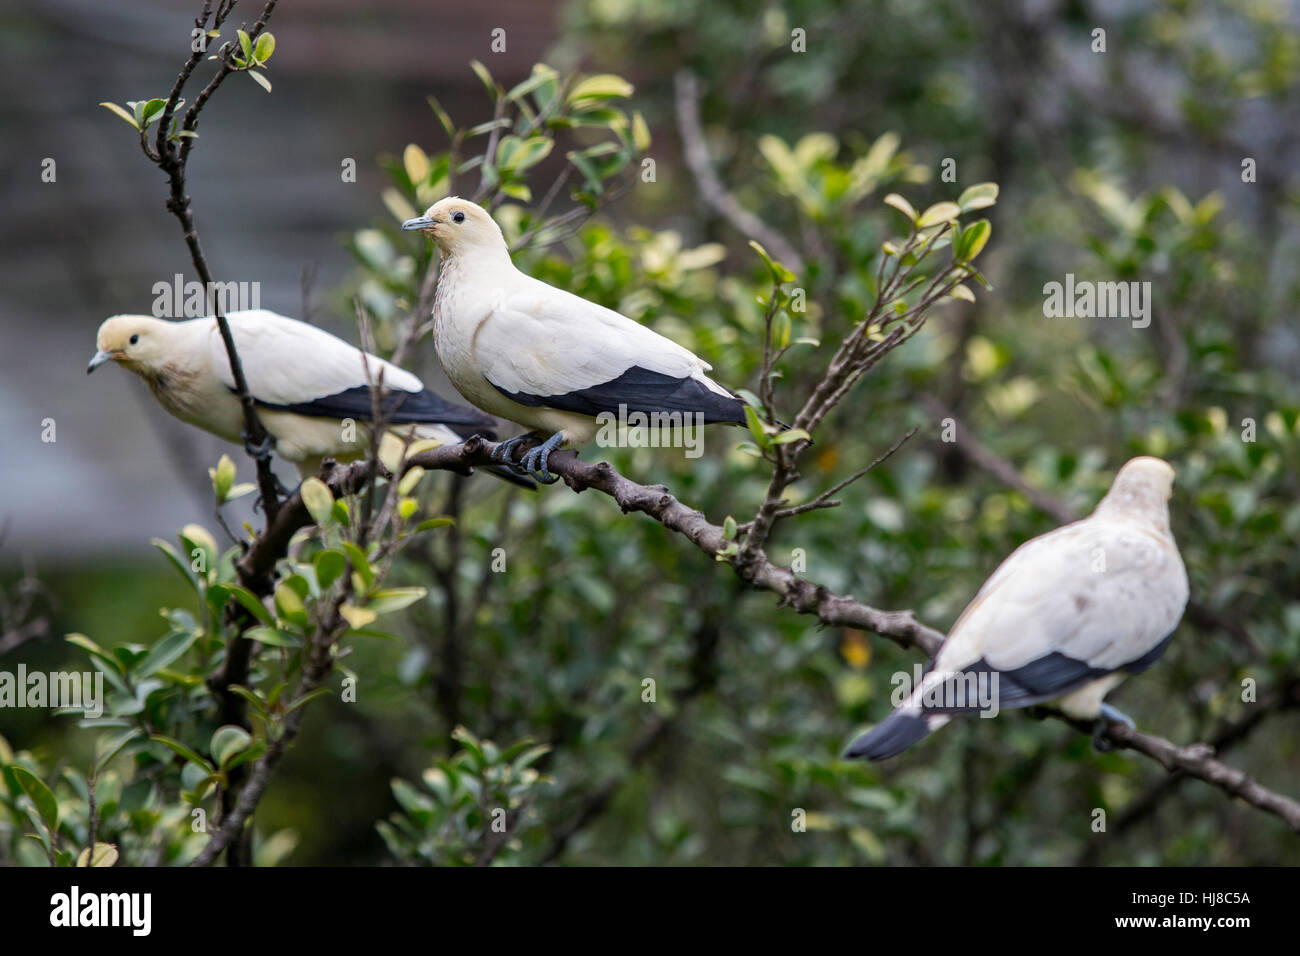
column 1171, row 157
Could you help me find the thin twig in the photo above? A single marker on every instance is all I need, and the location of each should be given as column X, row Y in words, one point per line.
column 712, row 191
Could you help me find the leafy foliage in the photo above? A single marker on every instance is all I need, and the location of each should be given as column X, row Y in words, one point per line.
column 687, row 719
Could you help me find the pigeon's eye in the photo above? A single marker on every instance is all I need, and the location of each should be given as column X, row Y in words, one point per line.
column 458, row 216
column 135, row 338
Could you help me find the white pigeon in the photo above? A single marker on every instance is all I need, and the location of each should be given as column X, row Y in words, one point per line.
column 1065, row 618
column 306, row 384
column 545, row 358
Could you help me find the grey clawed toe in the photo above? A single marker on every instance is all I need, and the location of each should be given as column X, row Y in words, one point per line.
column 534, row 461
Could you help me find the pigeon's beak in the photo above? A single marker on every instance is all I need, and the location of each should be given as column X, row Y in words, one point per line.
column 422, row 222
column 99, row 359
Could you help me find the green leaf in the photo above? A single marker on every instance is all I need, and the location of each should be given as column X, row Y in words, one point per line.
column 541, row 74
column 360, row 563
column 261, row 79
column 781, row 329
column 415, row 162
column 105, row 855
column 265, row 47
column 600, row 87
column 975, row 274
column 118, row 111
column 316, row 495
column 251, row 603
column 729, row 529
column 791, row 434
column 223, row 478
column 357, row 617
column 227, row 741
column 151, row 111
column 465, row 737
column 245, row 43
column 308, row 698
column 114, row 748
column 479, row 130
column 288, row 602
column 272, row 636
column 257, row 703
column 527, row 154
column 485, row 78
column 95, row 651
column 183, row 750
column 780, row 273
column 443, row 118
column 41, row 795
column 940, row 212
column 902, row 205
column 195, row 537
column 973, row 240
column 410, row 480
column 329, row 565
column 430, row 523
column 756, row 428
column 181, row 566
column 640, row 132
column 588, row 170
column 979, row 196
column 394, row 599
column 164, row 652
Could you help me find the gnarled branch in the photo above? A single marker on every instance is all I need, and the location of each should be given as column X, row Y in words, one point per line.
column 902, row 627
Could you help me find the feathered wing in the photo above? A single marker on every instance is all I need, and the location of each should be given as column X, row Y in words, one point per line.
column 546, row 347
column 295, row 367
column 1064, row 609
column 1101, row 593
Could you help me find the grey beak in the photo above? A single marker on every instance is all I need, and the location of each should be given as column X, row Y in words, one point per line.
column 99, row 359
column 423, row 222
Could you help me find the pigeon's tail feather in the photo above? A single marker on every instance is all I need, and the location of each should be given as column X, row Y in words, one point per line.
column 895, row 734
column 505, row 474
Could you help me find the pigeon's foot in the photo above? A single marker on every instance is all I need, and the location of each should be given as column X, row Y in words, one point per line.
column 505, row 449
column 282, row 492
column 534, row 460
column 259, row 450
column 1100, row 742
column 1113, row 714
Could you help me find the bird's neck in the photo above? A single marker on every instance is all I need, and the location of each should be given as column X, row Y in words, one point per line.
column 477, row 261
column 1144, row 504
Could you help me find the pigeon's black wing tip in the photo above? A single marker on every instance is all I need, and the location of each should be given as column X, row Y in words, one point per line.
column 398, row 408
column 641, row 390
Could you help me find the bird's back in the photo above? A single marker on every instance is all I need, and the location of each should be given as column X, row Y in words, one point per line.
column 1098, row 590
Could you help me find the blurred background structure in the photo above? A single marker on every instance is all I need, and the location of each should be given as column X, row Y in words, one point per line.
column 1169, row 154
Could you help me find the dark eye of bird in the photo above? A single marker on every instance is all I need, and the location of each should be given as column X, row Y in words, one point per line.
column 457, row 217
column 135, row 339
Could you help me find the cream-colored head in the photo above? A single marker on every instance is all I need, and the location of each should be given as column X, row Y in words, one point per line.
column 1143, row 486
column 137, row 342
column 460, row 228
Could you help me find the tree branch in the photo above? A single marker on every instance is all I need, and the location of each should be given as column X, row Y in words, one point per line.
column 171, row 155
column 792, row 591
column 714, row 194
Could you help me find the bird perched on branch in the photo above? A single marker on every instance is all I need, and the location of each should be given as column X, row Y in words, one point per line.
column 545, row 358
column 307, row 385
column 1065, row 618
